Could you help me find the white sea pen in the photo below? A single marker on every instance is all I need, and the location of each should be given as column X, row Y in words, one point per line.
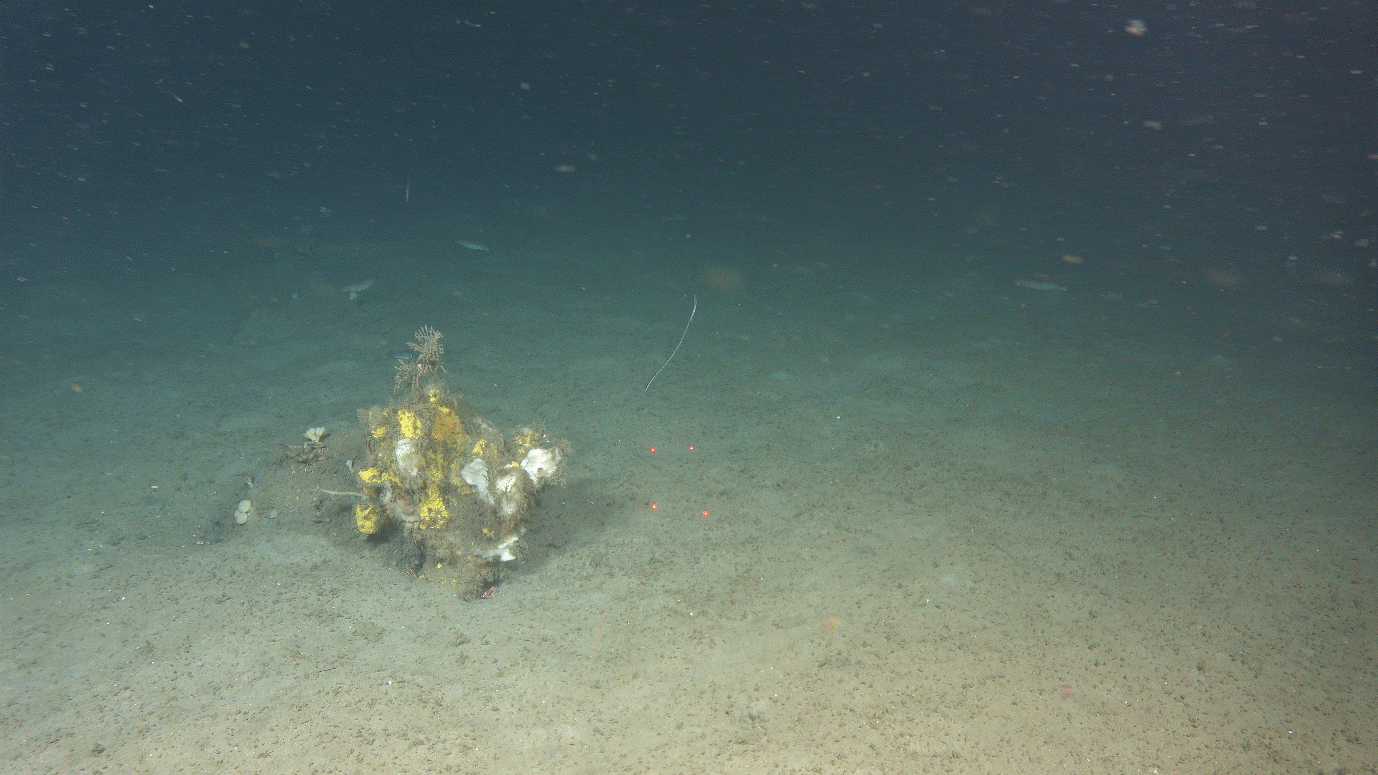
column 681, row 342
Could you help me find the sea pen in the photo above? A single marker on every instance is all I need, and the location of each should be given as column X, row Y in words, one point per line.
column 681, row 342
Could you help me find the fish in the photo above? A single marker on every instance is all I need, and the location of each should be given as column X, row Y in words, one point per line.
column 357, row 288
column 474, row 246
column 1039, row 285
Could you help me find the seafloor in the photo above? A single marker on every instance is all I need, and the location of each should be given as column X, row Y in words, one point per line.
column 863, row 522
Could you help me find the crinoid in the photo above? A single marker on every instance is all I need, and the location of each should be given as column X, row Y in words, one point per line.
column 428, row 350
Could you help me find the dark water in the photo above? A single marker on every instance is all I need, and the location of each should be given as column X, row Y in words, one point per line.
column 1057, row 316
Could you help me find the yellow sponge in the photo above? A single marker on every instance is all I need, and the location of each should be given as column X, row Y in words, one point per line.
column 369, row 517
column 409, row 423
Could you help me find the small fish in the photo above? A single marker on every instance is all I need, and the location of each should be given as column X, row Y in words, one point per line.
column 405, row 356
column 473, row 246
column 1039, row 285
column 357, row 288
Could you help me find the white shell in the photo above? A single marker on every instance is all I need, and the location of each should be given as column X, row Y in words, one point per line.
column 243, row 511
column 408, row 455
column 475, row 474
column 542, row 465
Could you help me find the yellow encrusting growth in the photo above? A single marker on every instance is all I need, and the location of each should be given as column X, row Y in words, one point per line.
column 369, row 517
column 432, row 510
column 447, row 429
column 409, row 422
column 524, row 440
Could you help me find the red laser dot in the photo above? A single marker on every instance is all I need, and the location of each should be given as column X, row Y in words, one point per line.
column 691, row 447
column 703, row 513
column 653, row 449
column 654, row 506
